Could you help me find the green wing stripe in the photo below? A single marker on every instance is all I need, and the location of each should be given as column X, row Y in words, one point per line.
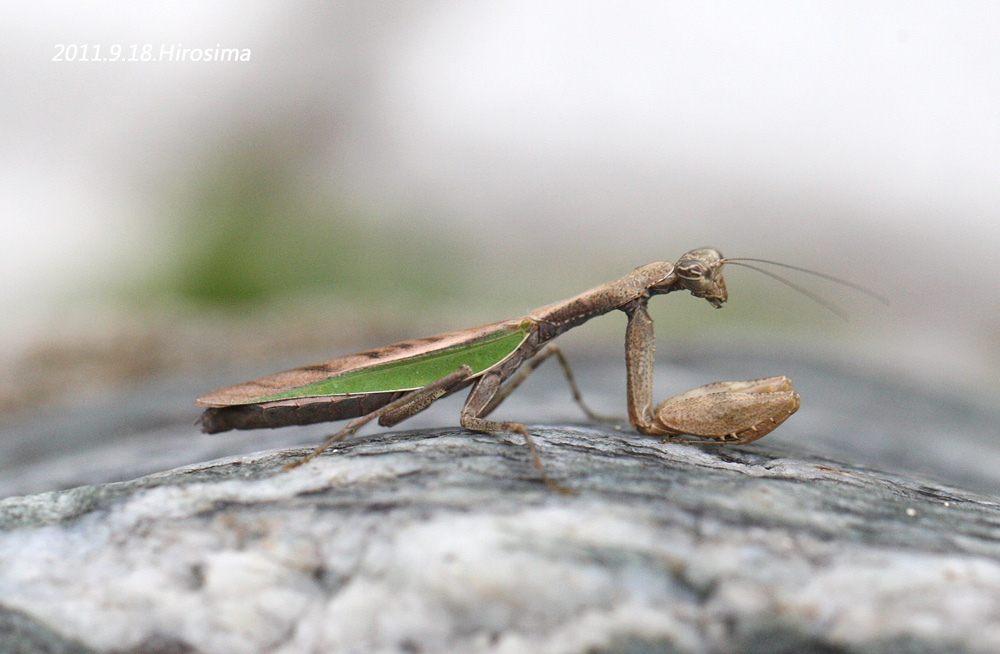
column 414, row 372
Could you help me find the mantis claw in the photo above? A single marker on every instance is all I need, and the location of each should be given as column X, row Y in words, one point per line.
column 729, row 412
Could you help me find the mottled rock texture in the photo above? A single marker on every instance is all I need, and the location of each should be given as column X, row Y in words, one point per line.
column 445, row 541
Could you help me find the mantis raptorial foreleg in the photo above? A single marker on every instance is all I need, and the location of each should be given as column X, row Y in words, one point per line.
column 400, row 409
column 639, row 344
column 731, row 412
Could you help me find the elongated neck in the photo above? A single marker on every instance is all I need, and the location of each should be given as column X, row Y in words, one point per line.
column 599, row 300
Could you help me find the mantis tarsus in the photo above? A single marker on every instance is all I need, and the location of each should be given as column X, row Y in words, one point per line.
column 395, row 382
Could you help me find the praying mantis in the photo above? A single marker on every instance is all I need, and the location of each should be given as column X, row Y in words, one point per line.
column 397, row 381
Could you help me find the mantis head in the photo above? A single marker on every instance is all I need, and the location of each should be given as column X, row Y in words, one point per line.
column 700, row 271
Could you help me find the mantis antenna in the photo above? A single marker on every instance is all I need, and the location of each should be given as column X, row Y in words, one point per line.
column 829, row 306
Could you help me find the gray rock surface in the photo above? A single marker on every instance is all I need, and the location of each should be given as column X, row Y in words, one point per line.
column 443, row 540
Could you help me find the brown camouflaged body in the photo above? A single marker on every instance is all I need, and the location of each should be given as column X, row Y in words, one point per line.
column 234, row 407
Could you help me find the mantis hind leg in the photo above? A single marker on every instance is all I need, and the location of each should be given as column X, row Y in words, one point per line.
column 393, row 412
column 419, row 401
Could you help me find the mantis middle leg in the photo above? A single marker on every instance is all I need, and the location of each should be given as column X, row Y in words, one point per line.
column 545, row 353
column 481, row 401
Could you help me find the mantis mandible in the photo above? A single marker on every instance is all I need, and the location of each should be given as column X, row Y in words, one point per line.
column 395, row 382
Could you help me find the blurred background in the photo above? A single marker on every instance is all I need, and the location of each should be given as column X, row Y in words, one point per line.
column 187, row 188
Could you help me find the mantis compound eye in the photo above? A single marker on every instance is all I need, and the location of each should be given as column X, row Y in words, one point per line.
column 694, row 271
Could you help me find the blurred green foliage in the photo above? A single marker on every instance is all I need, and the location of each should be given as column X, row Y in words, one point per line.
column 254, row 230
column 248, row 236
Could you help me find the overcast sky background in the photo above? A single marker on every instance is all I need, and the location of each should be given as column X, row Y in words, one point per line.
column 862, row 139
